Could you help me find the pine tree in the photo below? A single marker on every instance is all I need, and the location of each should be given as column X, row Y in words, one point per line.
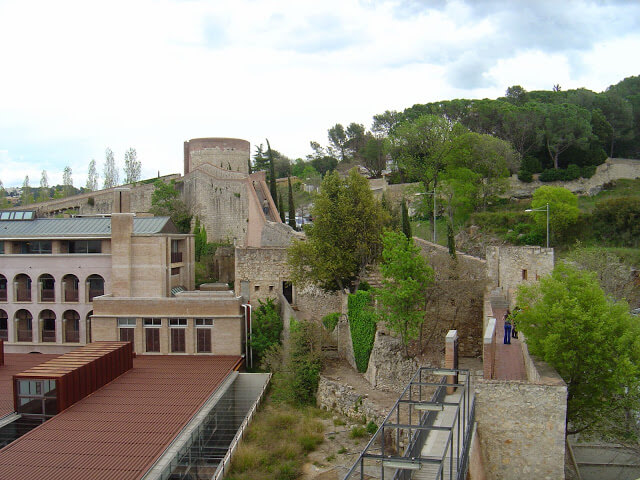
column 111, row 177
column 132, row 166
column 406, row 224
column 292, row 207
column 92, row 176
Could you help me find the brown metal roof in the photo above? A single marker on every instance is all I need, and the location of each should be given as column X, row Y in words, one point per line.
column 15, row 363
column 118, row 431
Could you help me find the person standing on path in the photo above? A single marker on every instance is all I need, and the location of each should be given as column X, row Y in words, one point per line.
column 507, row 330
column 265, row 206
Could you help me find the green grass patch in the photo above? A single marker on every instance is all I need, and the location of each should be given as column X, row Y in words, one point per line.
column 277, row 443
column 358, row 432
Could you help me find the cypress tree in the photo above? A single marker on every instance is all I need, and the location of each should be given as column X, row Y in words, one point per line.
column 272, row 176
column 451, row 241
column 280, row 209
column 292, row 207
column 406, row 224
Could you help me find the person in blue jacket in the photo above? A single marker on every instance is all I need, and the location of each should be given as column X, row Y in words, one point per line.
column 507, row 328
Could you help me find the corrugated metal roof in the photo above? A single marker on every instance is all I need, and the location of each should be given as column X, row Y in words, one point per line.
column 121, row 429
column 76, row 227
column 15, row 363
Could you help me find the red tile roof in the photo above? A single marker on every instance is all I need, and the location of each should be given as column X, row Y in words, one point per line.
column 16, row 363
column 120, row 430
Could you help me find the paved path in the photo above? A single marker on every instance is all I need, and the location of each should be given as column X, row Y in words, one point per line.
column 509, row 361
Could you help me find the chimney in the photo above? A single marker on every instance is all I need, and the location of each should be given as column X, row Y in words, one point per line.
column 122, row 200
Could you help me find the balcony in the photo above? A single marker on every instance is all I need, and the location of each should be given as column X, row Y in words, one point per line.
column 176, row 257
column 23, row 294
column 25, row 335
column 48, row 335
column 71, row 295
column 48, row 295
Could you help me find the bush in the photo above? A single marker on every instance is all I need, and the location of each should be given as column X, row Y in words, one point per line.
column 266, row 328
column 551, row 175
column 372, row 427
column 358, row 432
column 531, row 164
column 525, row 176
column 572, row 172
column 330, row 321
column 589, row 171
column 617, row 221
column 362, row 323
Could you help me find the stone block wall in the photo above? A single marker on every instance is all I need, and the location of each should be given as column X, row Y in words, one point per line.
column 521, row 429
column 227, row 153
column 263, row 269
column 508, row 267
column 317, row 303
column 340, row 397
column 388, row 369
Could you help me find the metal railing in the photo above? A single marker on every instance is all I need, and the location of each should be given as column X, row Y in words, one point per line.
column 435, row 429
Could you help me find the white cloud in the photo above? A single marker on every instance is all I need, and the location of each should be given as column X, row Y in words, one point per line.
column 80, row 76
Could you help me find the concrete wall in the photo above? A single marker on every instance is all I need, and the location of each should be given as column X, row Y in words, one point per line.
column 507, row 267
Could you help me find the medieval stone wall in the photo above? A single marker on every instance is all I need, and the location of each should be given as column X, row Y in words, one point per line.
column 508, row 267
column 231, row 154
column 455, row 301
column 262, row 270
column 340, row 397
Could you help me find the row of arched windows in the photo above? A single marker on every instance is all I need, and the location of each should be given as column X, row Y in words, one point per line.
column 46, row 291
column 45, row 328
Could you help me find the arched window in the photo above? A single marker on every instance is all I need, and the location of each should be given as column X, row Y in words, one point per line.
column 88, row 326
column 4, row 326
column 71, row 326
column 22, row 283
column 95, row 286
column 48, row 325
column 24, row 328
column 47, row 288
column 70, row 288
column 3, row 288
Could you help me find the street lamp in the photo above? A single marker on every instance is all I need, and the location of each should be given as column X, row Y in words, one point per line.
column 542, row 209
column 434, row 210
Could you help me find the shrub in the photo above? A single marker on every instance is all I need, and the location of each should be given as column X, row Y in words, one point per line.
column 372, row 427
column 362, row 323
column 617, row 221
column 266, row 328
column 358, row 432
column 588, row 171
column 531, row 164
column 572, row 172
column 551, row 175
column 525, row 176
column 330, row 321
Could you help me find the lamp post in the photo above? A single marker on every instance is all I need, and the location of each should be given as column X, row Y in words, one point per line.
column 542, row 209
column 434, row 210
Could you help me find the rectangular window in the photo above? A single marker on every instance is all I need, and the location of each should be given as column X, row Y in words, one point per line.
column 126, row 322
column 85, row 246
column 524, row 274
column 203, row 340
column 1, row 248
column 175, row 271
column 152, row 322
column 38, row 247
column 152, row 339
column 204, row 322
column 177, row 322
column 177, row 340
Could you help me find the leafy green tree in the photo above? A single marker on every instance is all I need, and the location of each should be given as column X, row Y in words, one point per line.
column 563, row 209
column 451, row 240
column 384, row 123
column 406, row 275
column 594, row 345
column 43, row 193
column 617, row 221
column 565, row 125
column 4, row 203
column 292, row 206
column 260, row 159
column 166, row 202
column 406, row 223
column 421, row 147
column 281, row 207
column 459, row 190
column 356, row 139
column 374, row 156
column 619, row 115
column 338, row 139
column 266, row 325
column 344, row 237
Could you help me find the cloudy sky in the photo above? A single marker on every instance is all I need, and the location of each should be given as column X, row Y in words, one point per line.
column 79, row 76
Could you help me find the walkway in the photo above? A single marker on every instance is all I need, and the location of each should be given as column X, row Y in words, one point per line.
column 509, row 361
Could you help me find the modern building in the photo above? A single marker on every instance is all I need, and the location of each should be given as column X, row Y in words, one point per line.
column 65, row 282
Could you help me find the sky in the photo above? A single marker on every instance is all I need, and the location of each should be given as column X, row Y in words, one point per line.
column 77, row 77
